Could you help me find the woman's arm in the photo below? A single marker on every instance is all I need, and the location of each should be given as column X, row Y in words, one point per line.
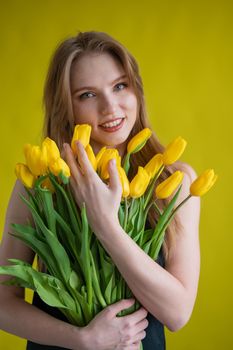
column 169, row 294
column 17, row 316
column 105, row 331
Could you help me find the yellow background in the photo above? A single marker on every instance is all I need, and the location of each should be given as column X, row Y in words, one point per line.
column 185, row 53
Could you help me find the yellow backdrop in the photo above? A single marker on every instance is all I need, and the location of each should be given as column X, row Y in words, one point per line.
column 184, row 50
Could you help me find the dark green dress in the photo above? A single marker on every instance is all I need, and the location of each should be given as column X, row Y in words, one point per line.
column 154, row 340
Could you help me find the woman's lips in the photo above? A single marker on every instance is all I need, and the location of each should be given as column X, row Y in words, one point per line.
column 113, row 128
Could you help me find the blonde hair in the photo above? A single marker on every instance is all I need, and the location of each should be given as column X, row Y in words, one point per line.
column 59, row 119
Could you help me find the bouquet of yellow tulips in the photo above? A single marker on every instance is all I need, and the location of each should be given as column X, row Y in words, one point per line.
column 81, row 277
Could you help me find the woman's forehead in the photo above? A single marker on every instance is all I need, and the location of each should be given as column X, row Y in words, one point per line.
column 93, row 66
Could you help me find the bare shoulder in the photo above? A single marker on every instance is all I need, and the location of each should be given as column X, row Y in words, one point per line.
column 189, row 176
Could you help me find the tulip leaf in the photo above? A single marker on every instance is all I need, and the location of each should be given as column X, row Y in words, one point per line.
column 106, row 267
column 39, row 247
column 121, row 215
column 161, row 225
column 60, row 255
column 48, row 294
column 47, row 200
column 96, row 284
column 74, row 219
column 74, row 281
column 126, row 165
column 114, row 295
column 18, row 271
column 108, row 290
column 18, row 282
column 85, row 253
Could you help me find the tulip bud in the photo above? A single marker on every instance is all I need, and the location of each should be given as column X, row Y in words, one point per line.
column 61, row 169
column 36, row 159
column 139, row 140
column 203, row 183
column 91, row 156
column 124, row 182
column 168, row 186
column 99, row 154
column 24, row 175
column 48, row 185
column 81, row 133
column 102, row 166
column 139, row 183
column 153, row 166
column 174, row 150
column 53, row 152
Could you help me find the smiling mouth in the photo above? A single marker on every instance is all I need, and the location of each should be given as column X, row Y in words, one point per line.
column 113, row 126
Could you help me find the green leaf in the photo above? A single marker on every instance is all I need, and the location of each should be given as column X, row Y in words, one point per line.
column 48, row 294
column 108, row 290
column 74, row 219
column 74, row 281
column 161, row 226
column 85, row 253
column 39, row 247
column 60, row 255
column 96, row 283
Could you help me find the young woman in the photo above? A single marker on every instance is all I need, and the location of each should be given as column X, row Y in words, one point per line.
column 93, row 79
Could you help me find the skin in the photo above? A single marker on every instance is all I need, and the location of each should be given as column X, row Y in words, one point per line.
column 106, row 331
column 108, row 99
column 169, row 294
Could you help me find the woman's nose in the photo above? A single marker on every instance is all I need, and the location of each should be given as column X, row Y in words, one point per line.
column 108, row 105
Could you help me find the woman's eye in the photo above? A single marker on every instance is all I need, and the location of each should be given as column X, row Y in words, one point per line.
column 86, row 95
column 121, row 86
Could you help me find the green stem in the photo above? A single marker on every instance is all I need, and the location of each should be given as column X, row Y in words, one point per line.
column 126, row 214
column 157, row 208
column 151, row 187
column 126, row 165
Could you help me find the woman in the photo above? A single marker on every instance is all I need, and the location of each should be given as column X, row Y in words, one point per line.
column 93, row 79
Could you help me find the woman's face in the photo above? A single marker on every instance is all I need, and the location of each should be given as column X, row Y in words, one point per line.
column 101, row 96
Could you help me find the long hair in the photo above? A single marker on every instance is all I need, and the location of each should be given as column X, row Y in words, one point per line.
column 59, row 119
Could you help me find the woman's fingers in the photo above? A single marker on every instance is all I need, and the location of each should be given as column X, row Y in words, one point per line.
column 123, row 304
column 137, row 316
column 71, row 161
column 83, row 159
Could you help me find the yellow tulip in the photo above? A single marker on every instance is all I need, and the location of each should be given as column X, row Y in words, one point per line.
column 168, row 186
column 102, row 165
column 203, row 183
column 48, row 185
column 99, row 154
column 59, row 167
column 91, row 156
column 139, row 183
column 139, row 140
column 124, row 182
column 53, row 152
column 174, row 150
column 24, row 175
column 81, row 133
column 36, row 159
column 153, row 166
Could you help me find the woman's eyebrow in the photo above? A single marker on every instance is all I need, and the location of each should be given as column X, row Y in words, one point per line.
column 92, row 87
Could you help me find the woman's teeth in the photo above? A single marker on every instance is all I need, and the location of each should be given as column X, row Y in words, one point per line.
column 110, row 125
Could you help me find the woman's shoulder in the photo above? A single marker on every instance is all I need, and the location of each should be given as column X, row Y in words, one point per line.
column 189, row 176
column 189, row 172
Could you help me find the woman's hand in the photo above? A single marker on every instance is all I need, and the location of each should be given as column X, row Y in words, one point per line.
column 102, row 201
column 107, row 331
